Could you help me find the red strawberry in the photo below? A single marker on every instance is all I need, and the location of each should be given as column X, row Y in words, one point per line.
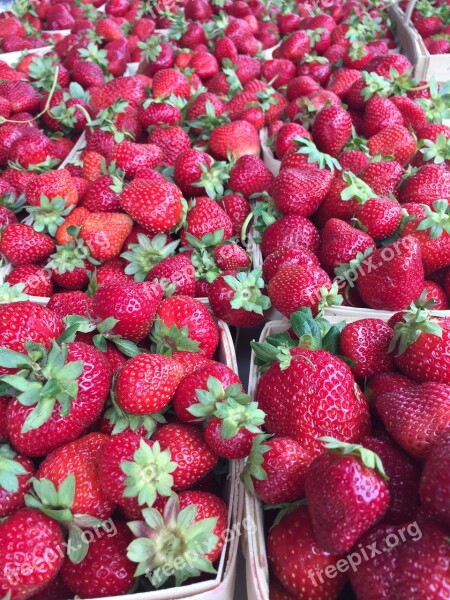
column 380, row 217
column 170, row 81
column 394, row 140
column 341, row 243
column 332, row 129
column 188, row 171
column 366, row 343
column 14, row 481
column 380, row 113
column 286, row 257
column 296, row 558
column 249, row 176
column 355, row 497
column 154, row 205
column 239, row 138
column 129, row 157
column 36, row 280
column 51, row 185
column 238, row 209
column 147, row 383
column 21, row 244
column 287, row 135
column 171, row 140
column 205, row 216
column 435, row 293
column 434, row 484
column 133, row 304
column 174, row 274
column 4, row 401
column 105, row 233
column 230, row 257
column 300, row 192
column 184, row 323
column 291, row 230
column 383, row 177
column 428, row 184
column 36, row 535
column 101, row 196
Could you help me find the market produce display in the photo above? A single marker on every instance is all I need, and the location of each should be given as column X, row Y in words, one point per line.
column 173, row 168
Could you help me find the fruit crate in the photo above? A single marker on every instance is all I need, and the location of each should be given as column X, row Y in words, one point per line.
column 257, row 568
column 268, row 157
column 426, row 65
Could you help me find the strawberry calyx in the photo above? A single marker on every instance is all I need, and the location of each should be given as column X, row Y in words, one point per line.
column 204, row 264
column 353, row 266
column 210, row 399
column 42, row 70
column 11, row 201
column 437, row 220
column 248, row 294
column 376, row 85
column 95, row 55
column 415, row 322
column 264, row 212
column 49, row 215
column 229, row 69
column 147, row 253
column 438, row 151
column 10, row 469
column 313, row 57
column 208, row 121
column 44, row 380
column 42, row 167
column 72, row 255
column 370, row 459
column 357, row 143
column 57, row 503
column 166, row 340
column 122, row 420
column 308, row 147
column 12, row 293
column 208, row 240
column 356, row 189
column 236, row 416
column 214, row 178
column 149, row 474
column 172, row 543
column 151, row 48
column 437, row 107
column 253, row 466
column 329, row 297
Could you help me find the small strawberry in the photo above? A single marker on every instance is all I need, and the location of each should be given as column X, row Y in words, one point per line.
column 249, row 176
column 14, row 480
column 394, row 140
column 130, row 157
column 172, row 141
column 434, row 483
column 380, row 217
column 341, row 243
column 230, row 257
column 175, row 274
column 300, row 192
column 101, row 195
column 205, row 217
column 332, row 129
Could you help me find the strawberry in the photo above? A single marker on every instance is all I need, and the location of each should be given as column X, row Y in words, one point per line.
column 87, row 74
column 21, row 95
column 298, row 286
column 380, row 113
column 294, row 47
column 341, row 243
column 332, row 129
column 147, row 383
column 435, row 293
column 92, row 165
column 157, row 112
column 133, row 304
column 239, row 138
column 192, row 522
column 275, row 470
column 383, row 177
column 52, row 421
column 279, row 70
column 286, row 257
column 249, row 176
column 421, row 343
column 70, row 303
column 366, row 343
column 291, row 230
column 229, row 257
column 435, row 482
column 101, row 196
column 174, row 274
column 394, row 140
column 417, row 416
column 413, row 114
column 338, row 515
column 21, row 244
column 295, row 558
column 4, row 401
column 52, row 184
column 129, row 89
column 298, row 192
column 108, row 546
column 105, row 233
column 202, row 388
column 184, row 323
column 238, row 209
column 36, row 280
column 75, row 219
column 286, row 136
column 205, row 217
column 237, row 298
column 428, row 184
column 188, row 170
column 15, row 480
column 129, row 157
column 36, row 535
column 154, row 205
column 171, row 140
column 189, row 450
column 380, row 217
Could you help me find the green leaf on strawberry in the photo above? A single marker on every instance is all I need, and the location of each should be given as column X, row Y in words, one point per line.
column 247, row 288
column 213, row 396
column 168, row 339
column 235, row 416
column 10, row 469
column 147, row 253
column 50, row 214
column 323, row 160
column 122, row 420
column 12, row 293
column 369, row 458
column 253, row 466
column 415, row 321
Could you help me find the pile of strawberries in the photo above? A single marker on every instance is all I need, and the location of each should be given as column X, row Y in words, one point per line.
column 167, row 168
column 432, row 22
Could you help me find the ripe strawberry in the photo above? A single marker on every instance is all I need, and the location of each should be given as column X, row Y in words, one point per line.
column 435, row 293
column 130, row 89
column 109, row 546
column 380, row 217
column 189, row 450
column 421, row 344
column 249, row 175
column 27, row 538
column 341, row 243
column 205, row 216
column 291, row 230
column 332, row 129
column 21, row 244
column 4, row 401
column 383, row 177
column 21, row 95
column 70, row 303
column 434, row 483
column 380, row 113
column 188, row 171
column 286, row 136
column 366, row 343
column 413, row 114
column 129, row 157
column 308, row 395
column 37, row 429
column 36, row 280
column 147, row 383
column 171, row 140
column 101, row 196
column 238, row 209
column 287, row 257
column 52, row 184
column 294, row 555
column 338, row 516
column 105, row 233
column 14, row 481
column 174, row 274
column 239, row 138
column 133, row 304
column 428, row 184
column 417, row 416
column 300, row 192
column 184, row 323
column 275, row 470
column 394, row 140
column 229, row 257
column 154, row 205
column 157, row 112
column 236, row 298
column 79, row 459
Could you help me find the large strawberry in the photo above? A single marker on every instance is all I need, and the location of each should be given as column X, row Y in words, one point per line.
column 54, row 407
column 355, row 497
column 291, row 230
column 239, row 138
column 300, row 192
column 21, row 244
column 341, row 243
column 332, row 129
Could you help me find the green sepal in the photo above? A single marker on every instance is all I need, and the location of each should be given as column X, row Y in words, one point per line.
column 369, row 458
column 416, row 321
column 122, row 420
column 10, row 469
column 437, row 220
column 253, row 466
column 247, row 288
column 166, row 340
column 12, row 293
column 147, row 253
column 236, row 416
column 214, row 394
column 356, row 189
column 308, row 147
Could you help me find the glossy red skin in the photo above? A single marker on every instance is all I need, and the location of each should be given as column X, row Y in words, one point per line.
column 56, row 590
column 387, row 382
column 191, row 361
column 417, row 416
column 304, row 407
column 291, row 230
column 206, row 217
column 4, row 401
column 236, row 447
column 435, row 481
column 133, row 303
column 70, row 303
column 81, row 459
column 341, row 243
column 12, row 501
column 21, row 322
column 184, row 311
column 189, row 450
column 435, row 292
column 29, row 537
column 293, row 552
column 178, row 270
column 285, row 463
column 93, row 389
column 220, row 296
column 286, row 257
column 185, row 395
column 366, row 342
column 22, row 245
column 106, row 570
column 147, row 383
column 296, row 192
column 250, row 176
